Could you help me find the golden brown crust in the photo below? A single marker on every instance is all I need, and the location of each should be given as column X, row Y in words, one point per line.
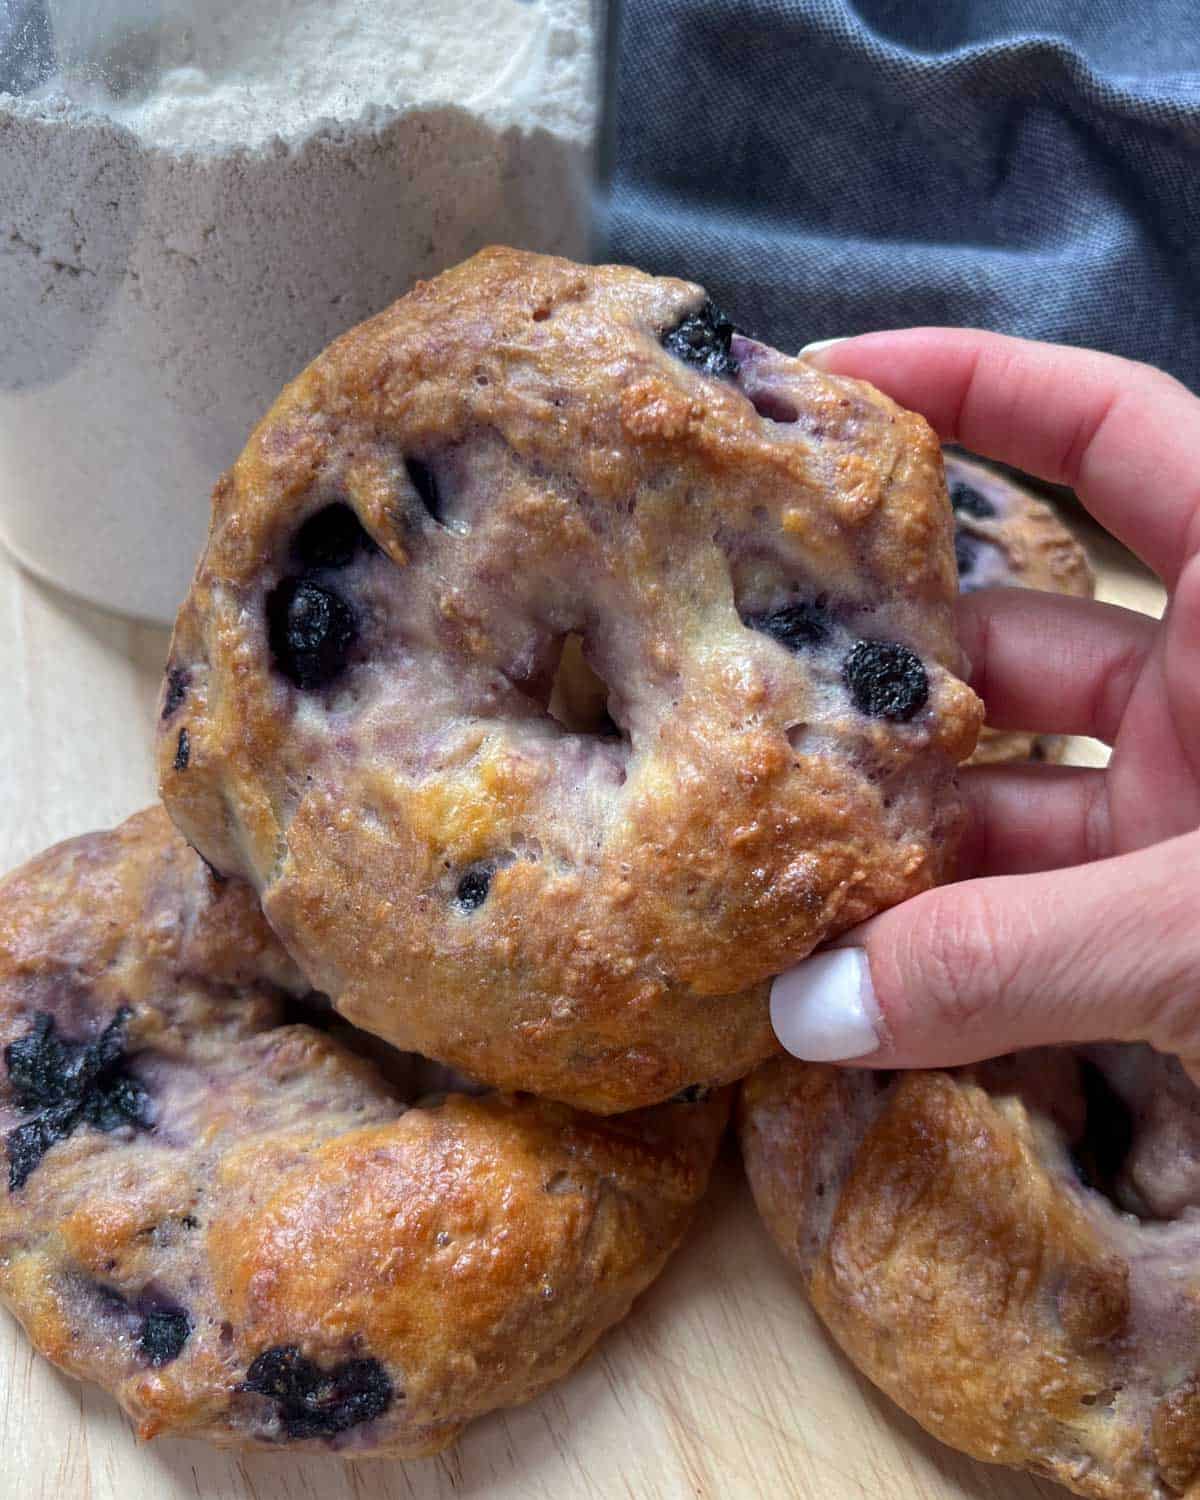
column 947, row 1242
column 640, row 889
column 275, row 1199
column 1022, row 543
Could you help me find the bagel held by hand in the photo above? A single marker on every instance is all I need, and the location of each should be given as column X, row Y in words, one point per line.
column 239, row 1228
column 1010, row 1251
column 758, row 560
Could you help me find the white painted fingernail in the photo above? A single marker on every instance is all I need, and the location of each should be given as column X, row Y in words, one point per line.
column 822, row 344
column 824, row 1010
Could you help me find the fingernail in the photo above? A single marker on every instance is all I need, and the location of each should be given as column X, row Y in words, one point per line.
column 824, row 1009
column 822, row 344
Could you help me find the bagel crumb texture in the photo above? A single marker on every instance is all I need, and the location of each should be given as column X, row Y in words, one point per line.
column 1010, row 1251
column 248, row 1232
column 562, row 469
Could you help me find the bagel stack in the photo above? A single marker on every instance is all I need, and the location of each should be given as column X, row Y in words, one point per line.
column 561, row 665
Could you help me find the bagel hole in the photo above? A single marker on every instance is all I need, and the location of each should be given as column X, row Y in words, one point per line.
column 579, row 696
column 1101, row 1151
column 1139, row 1143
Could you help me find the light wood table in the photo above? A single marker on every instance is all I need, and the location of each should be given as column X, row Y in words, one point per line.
column 720, row 1385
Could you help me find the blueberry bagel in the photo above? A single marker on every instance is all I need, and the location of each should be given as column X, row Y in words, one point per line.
column 755, row 559
column 1004, row 537
column 241, row 1228
column 1010, row 1251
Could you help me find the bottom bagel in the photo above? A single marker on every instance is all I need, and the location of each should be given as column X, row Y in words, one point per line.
column 1011, row 1251
column 241, row 1228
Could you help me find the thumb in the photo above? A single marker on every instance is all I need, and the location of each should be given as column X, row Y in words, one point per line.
column 1105, row 951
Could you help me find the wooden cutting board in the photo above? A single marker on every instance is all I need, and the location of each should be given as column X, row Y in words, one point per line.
column 720, row 1384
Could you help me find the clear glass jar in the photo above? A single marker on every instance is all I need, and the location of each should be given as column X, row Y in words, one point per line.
column 197, row 195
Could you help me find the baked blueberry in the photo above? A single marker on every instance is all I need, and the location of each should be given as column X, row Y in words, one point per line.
column 794, row 626
column 164, row 1333
column 316, row 1403
column 331, row 538
column 65, row 1084
column 183, row 750
column 473, row 888
column 311, row 630
column 703, row 338
column 178, row 680
column 969, row 501
column 886, row 680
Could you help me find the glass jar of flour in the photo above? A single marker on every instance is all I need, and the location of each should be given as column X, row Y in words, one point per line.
column 197, row 195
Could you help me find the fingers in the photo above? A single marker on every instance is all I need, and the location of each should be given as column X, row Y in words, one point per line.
column 1053, row 664
column 992, row 966
column 1123, row 435
column 1022, row 819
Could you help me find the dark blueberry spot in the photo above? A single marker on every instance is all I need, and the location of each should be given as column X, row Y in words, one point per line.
column 695, row 1093
column 886, row 680
column 188, row 1222
column 331, row 538
column 422, row 479
column 966, row 553
column 183, row 750
column 473, row 888
column 178, row 680
column 164, row 1333
column 703, row 338
column 1108, row 1131
column 967, row 500
column 316, row 1403
column 794, row 626
column 311, row 630
column 66, row 1084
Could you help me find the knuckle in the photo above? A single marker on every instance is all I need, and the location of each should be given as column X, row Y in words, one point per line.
column 958, row 953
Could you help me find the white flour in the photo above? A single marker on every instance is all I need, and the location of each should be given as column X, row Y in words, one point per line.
column 157, row 297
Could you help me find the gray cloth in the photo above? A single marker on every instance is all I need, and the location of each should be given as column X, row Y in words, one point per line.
column 825, row 167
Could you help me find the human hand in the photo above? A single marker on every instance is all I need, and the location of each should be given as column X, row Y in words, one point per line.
column 1079, row 915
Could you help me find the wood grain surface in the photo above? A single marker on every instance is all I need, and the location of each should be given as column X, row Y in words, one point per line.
column 720, row 1384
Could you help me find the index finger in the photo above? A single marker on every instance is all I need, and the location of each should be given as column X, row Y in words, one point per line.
column 1124, row 436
